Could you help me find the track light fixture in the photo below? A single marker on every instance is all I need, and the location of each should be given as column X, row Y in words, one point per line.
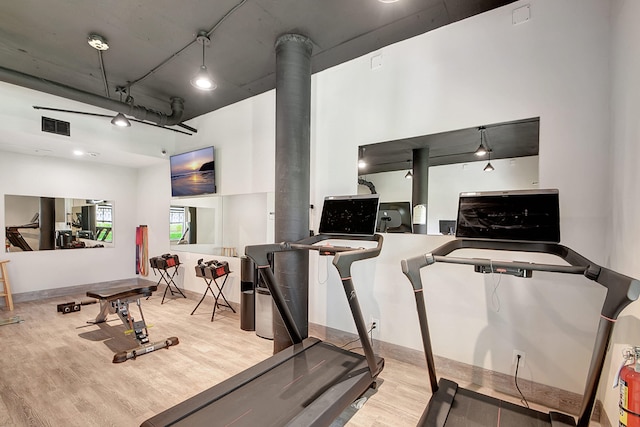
column 482, row 149
column 202, row 80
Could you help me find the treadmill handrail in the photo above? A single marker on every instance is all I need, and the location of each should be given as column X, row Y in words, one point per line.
column 343, row 258
column 621, row 291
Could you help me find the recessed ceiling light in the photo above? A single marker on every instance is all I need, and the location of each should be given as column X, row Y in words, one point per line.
column 78, row 152
column 388, row 1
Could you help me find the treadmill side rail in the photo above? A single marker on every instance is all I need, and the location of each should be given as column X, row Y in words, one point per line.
column 440, row 404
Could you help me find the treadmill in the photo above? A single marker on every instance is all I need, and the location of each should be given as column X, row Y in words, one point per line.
column 531, row 219
column 311, row 382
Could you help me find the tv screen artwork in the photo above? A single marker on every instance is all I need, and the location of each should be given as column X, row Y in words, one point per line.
column 193, row 173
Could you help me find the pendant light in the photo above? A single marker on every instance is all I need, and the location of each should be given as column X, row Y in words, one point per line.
column 409, row 175
column 482, row 149
column 489, row 167
column 202, row 79
column 120, row 119
column 361, row 163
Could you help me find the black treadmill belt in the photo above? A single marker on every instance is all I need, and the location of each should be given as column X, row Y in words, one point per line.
column 466, row 408
column 278, row 395
column 471, row 409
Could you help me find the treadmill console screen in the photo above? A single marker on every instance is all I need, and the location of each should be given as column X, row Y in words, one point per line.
column 526, row 215
column 353, row 215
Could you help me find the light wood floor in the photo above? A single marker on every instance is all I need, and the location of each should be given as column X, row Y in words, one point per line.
column 57, row 370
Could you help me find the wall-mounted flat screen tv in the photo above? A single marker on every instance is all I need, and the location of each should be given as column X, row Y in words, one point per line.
column 193, row 173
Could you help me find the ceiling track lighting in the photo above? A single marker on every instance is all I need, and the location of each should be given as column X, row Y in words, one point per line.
column 202, row 79
column 482, row 149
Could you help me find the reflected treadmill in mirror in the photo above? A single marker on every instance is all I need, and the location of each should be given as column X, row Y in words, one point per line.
column 525, row 216
column 56, row 223
column 394, row 217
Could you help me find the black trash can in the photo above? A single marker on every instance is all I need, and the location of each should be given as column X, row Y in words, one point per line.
column 247, row 311
column 247, row 296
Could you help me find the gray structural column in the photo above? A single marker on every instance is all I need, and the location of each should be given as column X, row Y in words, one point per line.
column 292, row 198
column 420, row 189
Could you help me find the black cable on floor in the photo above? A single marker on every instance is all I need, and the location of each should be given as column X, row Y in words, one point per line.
column 515, row 378
column 370, row 331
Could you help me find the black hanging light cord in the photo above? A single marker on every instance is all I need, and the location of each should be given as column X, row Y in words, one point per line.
column 209, row 33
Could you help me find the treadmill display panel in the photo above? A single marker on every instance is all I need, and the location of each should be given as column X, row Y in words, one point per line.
column 526, row 215
column 352, row 215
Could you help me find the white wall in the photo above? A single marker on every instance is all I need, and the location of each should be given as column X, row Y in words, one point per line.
column 51, row 177
column 481, row 70
column 624, row 197
column 243, row 136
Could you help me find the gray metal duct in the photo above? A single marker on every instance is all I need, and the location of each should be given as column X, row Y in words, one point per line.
column 293, row 122
column 58, row 89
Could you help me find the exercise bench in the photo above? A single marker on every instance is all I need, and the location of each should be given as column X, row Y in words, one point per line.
column 210, row 272
column 117, row 300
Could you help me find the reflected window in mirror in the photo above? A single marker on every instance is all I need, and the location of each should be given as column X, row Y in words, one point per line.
column 178, row 225
column 195, row 224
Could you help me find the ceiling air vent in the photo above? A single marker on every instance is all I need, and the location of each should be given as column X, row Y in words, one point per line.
column 56, row 126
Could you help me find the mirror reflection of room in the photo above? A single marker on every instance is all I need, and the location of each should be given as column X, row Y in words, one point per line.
column 195, row 224
column 419, row 179
column 34, row 223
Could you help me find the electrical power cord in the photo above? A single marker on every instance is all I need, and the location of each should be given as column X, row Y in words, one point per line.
column 523, row 400
column 370, row 332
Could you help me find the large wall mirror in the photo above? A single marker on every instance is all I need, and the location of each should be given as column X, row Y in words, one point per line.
column 448, row 166
column 34, row 223
column 221, row 225
column 195, row 224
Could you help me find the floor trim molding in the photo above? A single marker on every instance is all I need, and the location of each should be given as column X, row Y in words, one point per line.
column 82, row 289
column 552, row 397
